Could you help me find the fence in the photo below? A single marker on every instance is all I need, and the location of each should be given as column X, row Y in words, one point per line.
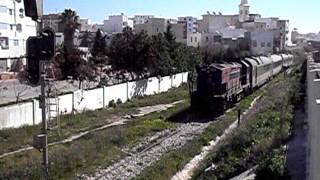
column 29, row 113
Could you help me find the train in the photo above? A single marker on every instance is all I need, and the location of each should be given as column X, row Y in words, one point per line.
column 221, row 85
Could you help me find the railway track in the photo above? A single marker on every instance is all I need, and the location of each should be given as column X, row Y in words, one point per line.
column 149, row 150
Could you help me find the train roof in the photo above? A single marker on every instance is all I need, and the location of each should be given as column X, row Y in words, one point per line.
column 224, row 66
column 253, row 62
column 265, row 60
column 276, row 58
column 245, row 63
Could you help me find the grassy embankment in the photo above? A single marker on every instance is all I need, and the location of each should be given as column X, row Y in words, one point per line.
column 174, row 161
column 98, row 149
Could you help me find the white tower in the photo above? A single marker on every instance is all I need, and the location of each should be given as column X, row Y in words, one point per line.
column 244, row 11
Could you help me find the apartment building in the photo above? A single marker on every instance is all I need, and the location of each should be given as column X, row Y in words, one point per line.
column 116, row 23
column 15, row 29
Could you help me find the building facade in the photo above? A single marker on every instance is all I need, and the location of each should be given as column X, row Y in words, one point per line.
column 116, row 23
column 141, row 19
column 53, row 21
column 152, row 27
column 260, row 43
column 15, row 29
column 190, row 24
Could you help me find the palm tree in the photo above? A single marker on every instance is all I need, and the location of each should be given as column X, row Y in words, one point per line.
column 70, row 21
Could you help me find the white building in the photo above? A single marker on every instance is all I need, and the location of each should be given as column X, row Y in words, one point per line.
column 86, row 25
column 271, row 22
column 211, row 23
column 260, row 43
column 203, row 39
column 116, row 23
column 254, row 26
column 154, row 26
column 15, row 29
column 141, row 19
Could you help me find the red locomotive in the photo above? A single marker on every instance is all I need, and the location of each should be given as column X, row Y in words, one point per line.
column 221, row 85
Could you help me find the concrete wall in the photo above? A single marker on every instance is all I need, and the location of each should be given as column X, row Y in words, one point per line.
column 29, row 113
column 313, row 148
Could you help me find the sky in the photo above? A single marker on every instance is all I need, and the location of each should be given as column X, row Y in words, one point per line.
column 303, row 14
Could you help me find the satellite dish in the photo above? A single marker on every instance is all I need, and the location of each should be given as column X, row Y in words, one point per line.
column 208, row 13
column 214, row 13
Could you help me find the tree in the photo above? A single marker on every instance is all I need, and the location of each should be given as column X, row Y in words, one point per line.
column 99, row 46
column 99, row 51
column 129, row 51
column 86, row 39
column 171, row 39
column 70, row 21
column 161, row 62
column 71, row 65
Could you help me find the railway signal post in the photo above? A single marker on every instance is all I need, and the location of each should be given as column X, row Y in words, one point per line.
column 40, row 50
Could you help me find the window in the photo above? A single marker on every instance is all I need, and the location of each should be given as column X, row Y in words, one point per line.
column 19, row 27
column 16, row 42
column 247, row 12
column 207, row 39
column 3, row 26
column 19, row 1
column 11, row 27
column 3, row 9
column 191, row 39
column 241, row 12
column 263, row 44
column 269, row 44
column 4, row 43
column 195, row 39
column 254, row 43
column 11, row 11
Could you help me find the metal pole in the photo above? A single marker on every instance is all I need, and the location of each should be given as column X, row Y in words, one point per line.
column 239, row 116
column 44, row 121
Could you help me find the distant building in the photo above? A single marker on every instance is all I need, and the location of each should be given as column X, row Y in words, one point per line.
column 190, row 25
column 15, row 29
column 116, row 23
column 53, row 21
column 204, row 39
column 254, row 26
column 260, row 43
column 211, row 23
column 141, row 19
column 86, row 25
column 244, row 13
column 179, row 32
column 153, row 26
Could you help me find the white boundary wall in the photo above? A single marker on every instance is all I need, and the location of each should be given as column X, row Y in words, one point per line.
column 29, row 113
